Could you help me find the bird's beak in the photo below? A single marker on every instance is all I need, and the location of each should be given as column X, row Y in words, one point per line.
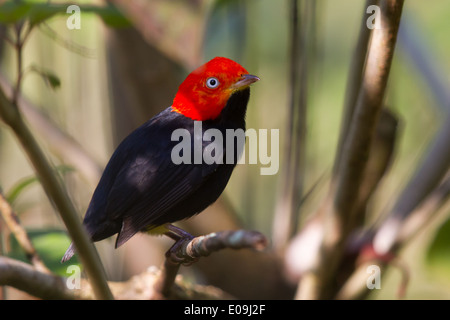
column 245, row 81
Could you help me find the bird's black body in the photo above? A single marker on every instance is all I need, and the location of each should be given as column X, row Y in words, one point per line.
column 141, row 187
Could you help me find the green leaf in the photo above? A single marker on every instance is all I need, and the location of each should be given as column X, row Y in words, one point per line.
column 110, row 15
column 50, row 244
column 42, row 12
column 37, row 12
column 438, row 255
column 49, row 77
column 26, row 182
column 18, row 188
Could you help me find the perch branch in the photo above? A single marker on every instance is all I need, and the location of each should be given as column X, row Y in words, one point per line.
column 202, row 246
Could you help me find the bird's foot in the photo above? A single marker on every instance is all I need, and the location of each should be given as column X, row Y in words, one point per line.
column 176, row 252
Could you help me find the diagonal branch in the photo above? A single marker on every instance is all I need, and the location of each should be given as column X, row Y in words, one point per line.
column 13, row 224
column 59, row 142
column 25, row 277
column 434, row 167
column 58, row 195
column 367, row 111
column 357, row 64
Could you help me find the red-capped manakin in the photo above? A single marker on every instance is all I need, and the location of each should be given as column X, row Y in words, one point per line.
column 141, row 188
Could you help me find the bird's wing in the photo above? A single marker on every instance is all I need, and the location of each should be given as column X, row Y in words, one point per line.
column 147, row 186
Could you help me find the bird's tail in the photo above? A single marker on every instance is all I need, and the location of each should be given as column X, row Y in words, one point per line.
column 69, row 253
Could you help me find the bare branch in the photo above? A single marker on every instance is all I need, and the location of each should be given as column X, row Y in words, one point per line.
column 367, row 111
column 59, row 142
column 291, row 191
column 13, row 224
column 342, row 216
column 427, row 177
column 26, row 278
column 423, row 215
column 416, row 222
column 381, row 155
column 354, row 80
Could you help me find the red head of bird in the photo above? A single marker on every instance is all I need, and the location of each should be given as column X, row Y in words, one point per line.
column 206, row 90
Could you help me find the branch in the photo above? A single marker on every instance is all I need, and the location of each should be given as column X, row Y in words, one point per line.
column 354, row 80
column 160, row 32
column 191, row 250
column 59, row 142
column 291, row 191
column 416, row 222
column 58, row 195
column 434, row 167
column 13, row 224
column 367, row 112
column 423, row 214
column 26, row 278
column 342, row 216
column 380, row 158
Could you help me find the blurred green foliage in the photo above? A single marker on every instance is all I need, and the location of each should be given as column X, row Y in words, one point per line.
column 38, row 11
column 50, row 245
column 256, row 34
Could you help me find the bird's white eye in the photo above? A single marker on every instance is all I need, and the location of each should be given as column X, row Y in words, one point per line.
column 212, row 83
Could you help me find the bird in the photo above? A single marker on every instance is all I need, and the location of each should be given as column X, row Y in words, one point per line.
column 142, row 189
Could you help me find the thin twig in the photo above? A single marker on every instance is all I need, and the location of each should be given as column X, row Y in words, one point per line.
column 13, row 224
column 59, row 142
column 435, row 165
column 367, row 111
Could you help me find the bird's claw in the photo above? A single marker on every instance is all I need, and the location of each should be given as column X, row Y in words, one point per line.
column 176, row 254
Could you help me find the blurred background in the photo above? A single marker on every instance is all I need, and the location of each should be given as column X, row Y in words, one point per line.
column 113, row 74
